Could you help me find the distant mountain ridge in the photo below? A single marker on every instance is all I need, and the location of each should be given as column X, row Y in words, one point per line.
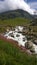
column 15, row 13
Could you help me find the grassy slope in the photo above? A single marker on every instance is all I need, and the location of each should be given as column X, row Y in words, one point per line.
column 14, row 22
column 11, row 55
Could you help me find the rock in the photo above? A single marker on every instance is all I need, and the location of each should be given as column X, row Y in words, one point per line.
column 29, row 45
column 35, row 42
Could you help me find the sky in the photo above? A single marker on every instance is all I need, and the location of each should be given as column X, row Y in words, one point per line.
column 6, row 5
column 32, row 3
column 31, row 0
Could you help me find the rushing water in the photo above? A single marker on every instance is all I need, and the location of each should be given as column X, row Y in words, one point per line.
column 16, row 36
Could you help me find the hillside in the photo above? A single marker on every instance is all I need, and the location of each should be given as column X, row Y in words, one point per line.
column 12, row 23
column 15, row 13
column 11, row 55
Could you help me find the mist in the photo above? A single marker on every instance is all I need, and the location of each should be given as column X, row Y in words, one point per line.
column 6, row 5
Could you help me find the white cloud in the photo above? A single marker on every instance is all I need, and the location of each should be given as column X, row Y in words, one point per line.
column 33, row 5
column 15, row 4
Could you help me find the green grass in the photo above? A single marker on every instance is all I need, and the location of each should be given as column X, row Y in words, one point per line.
column 11, row 55
column 14, row 22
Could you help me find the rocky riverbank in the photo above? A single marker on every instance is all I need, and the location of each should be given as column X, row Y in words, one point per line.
column 22, row 35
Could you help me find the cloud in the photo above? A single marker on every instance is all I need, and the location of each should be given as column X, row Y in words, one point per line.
column 33, row 5
column 6, row 5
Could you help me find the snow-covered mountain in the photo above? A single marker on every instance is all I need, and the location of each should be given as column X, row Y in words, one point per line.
column 6, row 5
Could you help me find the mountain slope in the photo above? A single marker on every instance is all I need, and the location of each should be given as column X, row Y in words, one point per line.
column 15, row 13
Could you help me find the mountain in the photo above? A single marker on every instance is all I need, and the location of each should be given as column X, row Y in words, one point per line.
column 14, row 14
